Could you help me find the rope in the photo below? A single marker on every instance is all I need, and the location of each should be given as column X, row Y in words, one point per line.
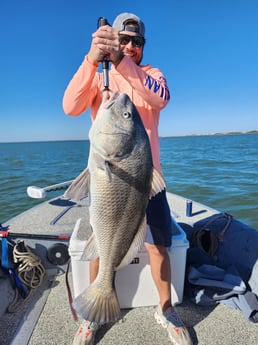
column 30, row 270
column 208, row 241
column 221, row 234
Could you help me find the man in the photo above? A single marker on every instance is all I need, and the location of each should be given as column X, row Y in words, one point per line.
column 122, row 44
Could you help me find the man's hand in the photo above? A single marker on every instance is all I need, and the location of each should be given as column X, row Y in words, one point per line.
column 105, row 44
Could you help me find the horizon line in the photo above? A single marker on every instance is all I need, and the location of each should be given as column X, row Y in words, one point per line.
column 161, row 136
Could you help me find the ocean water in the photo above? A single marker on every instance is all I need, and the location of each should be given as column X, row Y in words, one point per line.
column 219, row 171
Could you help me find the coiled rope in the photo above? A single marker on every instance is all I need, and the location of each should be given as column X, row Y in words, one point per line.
column 31, row 272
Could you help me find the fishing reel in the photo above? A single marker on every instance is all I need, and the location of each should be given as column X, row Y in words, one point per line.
column 58, row 254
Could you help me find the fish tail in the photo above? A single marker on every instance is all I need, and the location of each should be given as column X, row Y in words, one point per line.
column 96, row 305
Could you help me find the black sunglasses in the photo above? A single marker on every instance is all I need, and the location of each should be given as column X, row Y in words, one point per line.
column 137, row 41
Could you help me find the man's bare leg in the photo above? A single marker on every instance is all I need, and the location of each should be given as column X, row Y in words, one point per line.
column 161, row 273
column 94, row 268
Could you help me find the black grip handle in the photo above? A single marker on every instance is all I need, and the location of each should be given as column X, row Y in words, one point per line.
column 101, row 22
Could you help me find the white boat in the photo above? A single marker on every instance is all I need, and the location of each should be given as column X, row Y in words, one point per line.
column 46, row 318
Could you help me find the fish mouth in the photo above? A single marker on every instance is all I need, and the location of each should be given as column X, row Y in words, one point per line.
column 122, row 132
column 109, row 102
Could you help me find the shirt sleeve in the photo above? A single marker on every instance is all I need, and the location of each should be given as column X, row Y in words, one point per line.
column 149, row 83
column 82, row 90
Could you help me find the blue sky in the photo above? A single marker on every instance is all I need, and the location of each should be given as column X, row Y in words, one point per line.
column 208, row 51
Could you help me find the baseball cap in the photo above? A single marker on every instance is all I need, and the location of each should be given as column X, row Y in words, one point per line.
column 124, row 18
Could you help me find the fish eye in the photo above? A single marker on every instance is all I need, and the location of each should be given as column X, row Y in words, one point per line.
column 126, row 115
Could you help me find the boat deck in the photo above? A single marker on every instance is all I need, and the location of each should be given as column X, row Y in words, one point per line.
column 47, row 319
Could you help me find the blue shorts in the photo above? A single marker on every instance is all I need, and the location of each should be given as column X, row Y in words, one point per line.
column 159, row 221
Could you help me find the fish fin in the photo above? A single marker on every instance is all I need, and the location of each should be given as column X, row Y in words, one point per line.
column 80, row 186
column 157, row 183
column 96, row 304
column 135, row 246
column 90, row 251
column 108, row 171
column 102, row 164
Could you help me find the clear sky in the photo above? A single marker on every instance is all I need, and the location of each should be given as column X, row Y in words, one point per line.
column 207, row 49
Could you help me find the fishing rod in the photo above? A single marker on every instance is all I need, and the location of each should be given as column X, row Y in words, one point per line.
column 5, row 233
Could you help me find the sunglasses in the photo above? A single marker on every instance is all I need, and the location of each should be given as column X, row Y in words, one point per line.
column 137, row 41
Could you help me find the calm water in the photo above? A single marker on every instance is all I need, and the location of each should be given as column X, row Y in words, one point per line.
column 219, row 171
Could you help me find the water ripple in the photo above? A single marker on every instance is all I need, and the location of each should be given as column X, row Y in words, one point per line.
column 220, row 171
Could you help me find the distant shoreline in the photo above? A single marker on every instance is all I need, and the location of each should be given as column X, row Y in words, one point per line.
column 210, row 135
column 165, row 136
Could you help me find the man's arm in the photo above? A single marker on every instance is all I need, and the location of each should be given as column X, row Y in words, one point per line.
column 84, row 86
column 148, row 82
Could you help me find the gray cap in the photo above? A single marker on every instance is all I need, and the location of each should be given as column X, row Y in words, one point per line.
column 124, row 18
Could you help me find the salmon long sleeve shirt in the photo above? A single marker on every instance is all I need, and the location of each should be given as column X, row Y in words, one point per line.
column 146, row 87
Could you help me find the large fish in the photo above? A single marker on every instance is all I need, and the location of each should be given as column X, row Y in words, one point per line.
column 120, row 179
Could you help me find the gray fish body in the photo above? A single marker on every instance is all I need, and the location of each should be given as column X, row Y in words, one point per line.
column 120, row 181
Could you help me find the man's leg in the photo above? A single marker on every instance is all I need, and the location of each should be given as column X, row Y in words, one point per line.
column 165, row 313
column 161, row 273
column 87, row 331
column 94, row 268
